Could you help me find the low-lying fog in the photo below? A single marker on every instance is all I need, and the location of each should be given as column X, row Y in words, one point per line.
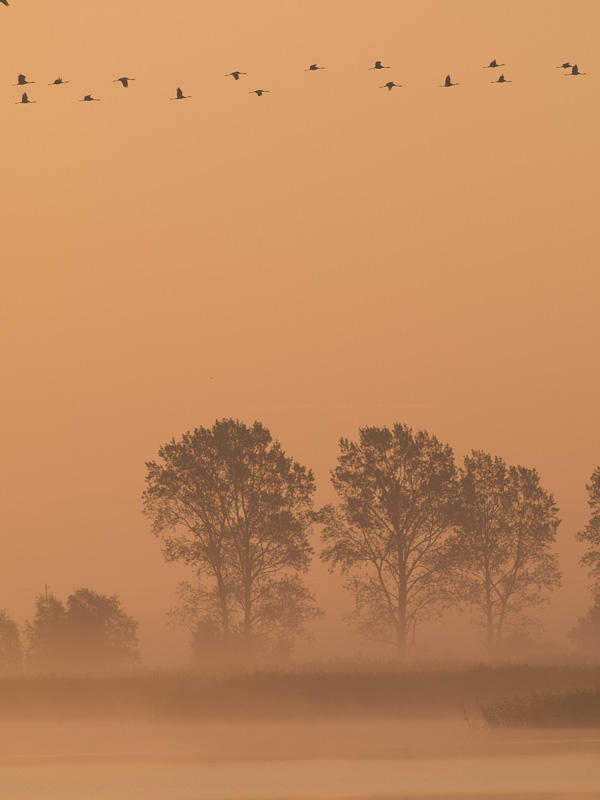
column 299, row 760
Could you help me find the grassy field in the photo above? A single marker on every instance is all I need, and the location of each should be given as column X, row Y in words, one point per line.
column 332, row 692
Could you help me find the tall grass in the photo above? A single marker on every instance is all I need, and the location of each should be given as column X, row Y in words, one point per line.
column 578, row 708
column 334, row 692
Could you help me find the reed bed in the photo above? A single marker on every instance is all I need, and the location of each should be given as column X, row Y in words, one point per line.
column 578, row 708
column 326, row 692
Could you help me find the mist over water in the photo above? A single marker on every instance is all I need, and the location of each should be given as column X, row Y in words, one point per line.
column 274, row 761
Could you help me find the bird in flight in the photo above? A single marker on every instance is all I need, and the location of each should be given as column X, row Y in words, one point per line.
column 4, row 1
column 22, row 80
column 259, row 92
column 379, row 65
column 501, row 79
column 312, row 68
column 575, row 71
column 390, row 85
column 493, row 64
column 181, row 95
column 25, row 99
column 566, row 65
column 88, row 99
column 448, row 82
column 124, row 81
column 57, row 82
column 236, row 74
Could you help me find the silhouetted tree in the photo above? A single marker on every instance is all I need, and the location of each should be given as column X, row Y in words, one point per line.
column 11, row 656
column 47, row 634
column 586, row 633
column 101, row 635
column 391, row 531
column 507, row 526
column 590, row 535
column 228, row 502
column 91, row 633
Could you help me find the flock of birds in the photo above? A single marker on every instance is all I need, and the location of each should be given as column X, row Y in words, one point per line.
column 179, row 95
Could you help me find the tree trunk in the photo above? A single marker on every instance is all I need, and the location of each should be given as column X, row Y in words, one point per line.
column 222, row 590
column 401, row 632
column 248, row 618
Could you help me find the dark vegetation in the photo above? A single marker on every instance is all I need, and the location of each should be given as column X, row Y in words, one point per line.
column 577, row 708
column 326, row 692
column 413, row 533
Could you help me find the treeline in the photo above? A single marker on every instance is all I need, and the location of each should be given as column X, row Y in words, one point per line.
column 91, row 633
column 413, row 535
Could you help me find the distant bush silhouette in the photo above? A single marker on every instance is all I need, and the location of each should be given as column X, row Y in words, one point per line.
column 90, row 633
column 586, row 634
column 11, row 656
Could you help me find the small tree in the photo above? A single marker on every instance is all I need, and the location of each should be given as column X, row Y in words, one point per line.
column 10, row 644
column 230, row 503
column 391, row 532
column 101, row 636
column 47, row 634
column 586, row 634
column 507, row 526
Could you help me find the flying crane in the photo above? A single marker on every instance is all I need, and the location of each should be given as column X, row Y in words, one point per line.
column 390, row 85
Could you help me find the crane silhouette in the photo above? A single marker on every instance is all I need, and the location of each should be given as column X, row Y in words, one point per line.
column 575, row 71
column 312, row 68
column 25, row 99
column 22, row 80
column 181, row 95
column 493, row 64
column 501, row 79
column 57, row 82
column 390, row 85
column 566, row 65
column 236, row 74
column 89, row 99
column 259, row 92
column 379, row 65
column 124, row 81
column 448, row 82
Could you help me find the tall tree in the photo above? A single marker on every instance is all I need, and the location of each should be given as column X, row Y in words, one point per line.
column 390, row 533
column 590, row 535
column 10, row 644
column 90, row 633
column 507, row 527
column 587, row 632
column 230, row 503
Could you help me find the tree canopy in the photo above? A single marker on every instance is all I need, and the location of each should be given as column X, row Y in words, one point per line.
column 230, row 503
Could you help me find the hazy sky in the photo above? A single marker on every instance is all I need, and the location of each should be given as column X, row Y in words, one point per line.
column 327, row 256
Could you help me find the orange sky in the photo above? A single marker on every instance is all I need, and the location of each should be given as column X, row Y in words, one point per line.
column 328, row 256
